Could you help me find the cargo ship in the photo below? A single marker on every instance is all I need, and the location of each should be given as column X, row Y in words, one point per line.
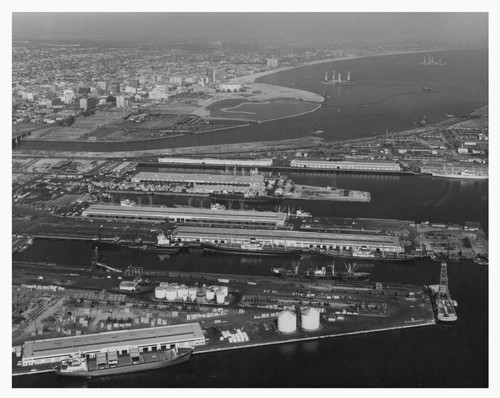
column 222, row 197
column 251, row 247
column 463, row 174
column 443, row 304
column 350, row 273
column 363, row 253
column 109, row 363
column 163, row 245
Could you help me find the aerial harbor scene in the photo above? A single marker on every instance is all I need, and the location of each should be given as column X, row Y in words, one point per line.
column 250, row 200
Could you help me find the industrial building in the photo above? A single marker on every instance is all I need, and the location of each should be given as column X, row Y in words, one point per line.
column 206, row 182
column 292, row 239
column 48, row 351
column 219, row 162
column 185, row 215
column 358, row 165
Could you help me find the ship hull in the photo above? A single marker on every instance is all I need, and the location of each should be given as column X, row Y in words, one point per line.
column 363, row 258
column 460, row 176
column 158, row 249
column 247, row 252
column 141, row 367
column 253, row 199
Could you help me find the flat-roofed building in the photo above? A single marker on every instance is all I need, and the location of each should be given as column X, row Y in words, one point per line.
column 186, row 214
column 358, row 165
column 221, row 162
column 292, row 239
column 46, row 351
column 198, row 178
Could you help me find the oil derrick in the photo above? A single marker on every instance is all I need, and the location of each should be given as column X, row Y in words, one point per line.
column 443, row 280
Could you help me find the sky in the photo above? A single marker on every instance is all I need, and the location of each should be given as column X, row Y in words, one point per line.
column 448, row 28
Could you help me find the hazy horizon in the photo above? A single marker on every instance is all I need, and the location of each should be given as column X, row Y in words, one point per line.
column 469, row 29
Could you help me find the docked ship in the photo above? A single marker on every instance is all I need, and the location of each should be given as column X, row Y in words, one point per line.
column 251, row 247
column 164, row 245
column 363, row 253
column 338, row 81
column 350, row 273
column 223, row 197
column 108, row 364
column 443, row 304
column 465, row 174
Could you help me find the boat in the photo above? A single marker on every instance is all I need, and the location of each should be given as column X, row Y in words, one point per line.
column 443, row 304
column 251, row 247
column 429, row 60
column 464, row 174
column 364, row 254
column 127, row 202
column 163, row 245
column 350, row 273
column 218, row 197
column 110, row 363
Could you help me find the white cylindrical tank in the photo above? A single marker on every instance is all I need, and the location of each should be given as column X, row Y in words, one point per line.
column 224, row 290
column 201, row 296
column 170, row 293
column 310, row 318
column 287, row 322
column 160, row 292
column 210, row 294
column 220, row 297
column 192, row 293
column 182, row 292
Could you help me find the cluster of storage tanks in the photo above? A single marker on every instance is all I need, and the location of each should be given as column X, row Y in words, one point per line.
column 309, row 320
column 176, row 292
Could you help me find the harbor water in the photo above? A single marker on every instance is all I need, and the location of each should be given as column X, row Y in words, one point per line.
column 436, row 356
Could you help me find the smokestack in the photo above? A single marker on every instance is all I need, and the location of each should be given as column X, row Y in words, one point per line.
column 333, row 75
column 326, row 76
column 340, row 77
column 348, row 75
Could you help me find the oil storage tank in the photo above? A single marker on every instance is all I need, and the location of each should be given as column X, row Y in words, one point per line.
column 309, row 319
column 170, row 293
column 220, row 296
column 160, row 292
column 210, row 294
column 287, row 322
column 192, row 293
column 182, row 292
column 201, row 296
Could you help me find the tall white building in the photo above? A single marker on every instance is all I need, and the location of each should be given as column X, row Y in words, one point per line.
column 272, row 62
column 121, row 102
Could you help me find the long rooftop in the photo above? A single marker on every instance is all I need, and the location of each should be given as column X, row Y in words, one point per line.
column 199, row 178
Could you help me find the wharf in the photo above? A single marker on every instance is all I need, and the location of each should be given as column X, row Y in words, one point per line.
column 281, row 168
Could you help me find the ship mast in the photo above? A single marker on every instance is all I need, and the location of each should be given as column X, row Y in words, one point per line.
column 443, row 280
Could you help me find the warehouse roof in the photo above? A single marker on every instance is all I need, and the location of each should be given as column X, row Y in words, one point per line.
column 244, row 233
column 184, row 212
column 121, row 338
column 199, row 178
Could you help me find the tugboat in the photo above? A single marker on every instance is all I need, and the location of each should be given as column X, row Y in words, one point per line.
column 108, row 363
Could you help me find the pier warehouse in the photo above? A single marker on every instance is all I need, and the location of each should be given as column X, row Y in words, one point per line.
column 185, row 214
column 219, row 162
column 296, row 239
column 361, row 165
column 39, row 352
column 206, row 182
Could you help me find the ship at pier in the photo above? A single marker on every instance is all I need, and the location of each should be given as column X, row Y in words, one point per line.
column 349, row 273
column 108, row 364
column 251, row 247
column 337, row 81
column 443, row 304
